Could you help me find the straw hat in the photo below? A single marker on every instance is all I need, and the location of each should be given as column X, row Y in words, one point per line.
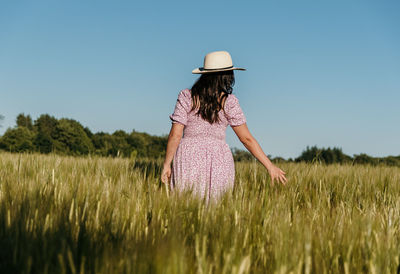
column 216, row 61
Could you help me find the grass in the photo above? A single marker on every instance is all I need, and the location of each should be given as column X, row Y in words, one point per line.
column 103, row 215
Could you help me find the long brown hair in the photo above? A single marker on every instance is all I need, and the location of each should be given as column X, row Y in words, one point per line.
column 209, row 91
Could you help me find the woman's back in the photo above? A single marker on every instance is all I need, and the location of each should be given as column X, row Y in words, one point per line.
column 196, row 126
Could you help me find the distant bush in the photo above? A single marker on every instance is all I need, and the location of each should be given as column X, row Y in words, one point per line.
column 17, row 140
column 242, row 155
column 335, row 155
column 325, row 155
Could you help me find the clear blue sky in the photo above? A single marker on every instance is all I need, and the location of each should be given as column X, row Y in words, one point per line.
column 323, row 73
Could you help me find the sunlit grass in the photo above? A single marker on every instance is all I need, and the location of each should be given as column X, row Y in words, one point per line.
column 104, row 215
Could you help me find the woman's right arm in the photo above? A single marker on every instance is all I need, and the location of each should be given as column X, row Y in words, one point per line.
column 255, row 149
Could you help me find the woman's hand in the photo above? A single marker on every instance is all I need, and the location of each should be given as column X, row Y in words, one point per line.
column 277, row 174
column 166, row 174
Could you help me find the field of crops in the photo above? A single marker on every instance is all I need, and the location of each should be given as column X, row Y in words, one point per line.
column 111, row 215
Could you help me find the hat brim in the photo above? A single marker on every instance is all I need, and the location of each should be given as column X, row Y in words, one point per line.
column 202, row 70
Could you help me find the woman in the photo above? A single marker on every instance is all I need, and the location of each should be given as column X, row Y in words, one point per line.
column 202, row 160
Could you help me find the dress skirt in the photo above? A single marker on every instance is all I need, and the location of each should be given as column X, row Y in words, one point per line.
column 204, row 166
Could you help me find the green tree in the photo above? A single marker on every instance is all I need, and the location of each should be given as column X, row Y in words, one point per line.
column 156, row 147
column 70, row 137
column 121, row 145
column 365, row 159
column 310, row 154
column 391, row 160
column 24, row 121
column 325, row 155
column 138, row 141
column 98, row 143
column 112, row 145
column 46, row 129
column 115, row 145
column 18, row 139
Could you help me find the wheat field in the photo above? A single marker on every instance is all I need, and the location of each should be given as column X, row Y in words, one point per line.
column 63, row 214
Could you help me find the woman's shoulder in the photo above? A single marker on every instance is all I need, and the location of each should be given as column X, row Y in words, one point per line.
column 185, row 93
column 231, row 100
column 185, row 97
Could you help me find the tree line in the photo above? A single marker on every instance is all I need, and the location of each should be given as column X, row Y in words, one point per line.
column 336, row 155
column 326, row 156
column 48, row 134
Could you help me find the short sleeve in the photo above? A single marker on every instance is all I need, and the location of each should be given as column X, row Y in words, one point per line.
column 182, row 108
column 233, row 111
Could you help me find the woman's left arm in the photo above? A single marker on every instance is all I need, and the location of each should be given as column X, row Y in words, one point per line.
column 174, row 138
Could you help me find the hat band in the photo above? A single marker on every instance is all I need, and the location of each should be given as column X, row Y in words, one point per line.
column 217, row 68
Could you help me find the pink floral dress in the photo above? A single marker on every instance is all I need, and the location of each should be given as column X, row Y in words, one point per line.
column 203, row 161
